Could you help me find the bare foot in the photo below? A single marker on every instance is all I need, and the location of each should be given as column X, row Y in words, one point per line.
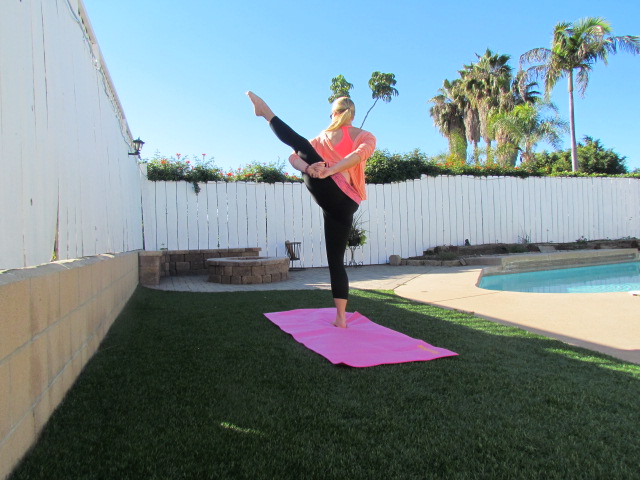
column 340, row 323
column 260, row 108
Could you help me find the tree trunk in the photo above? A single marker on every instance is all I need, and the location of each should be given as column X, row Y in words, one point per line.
column 458, row 144
column 365, row 117
column 572, row 125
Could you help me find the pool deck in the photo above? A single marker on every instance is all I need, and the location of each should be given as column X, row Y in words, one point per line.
column 604, row 322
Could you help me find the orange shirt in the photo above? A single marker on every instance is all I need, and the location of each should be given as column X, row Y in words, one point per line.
column 364, row 145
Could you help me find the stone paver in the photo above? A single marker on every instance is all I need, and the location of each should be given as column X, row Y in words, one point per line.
column 371, row 277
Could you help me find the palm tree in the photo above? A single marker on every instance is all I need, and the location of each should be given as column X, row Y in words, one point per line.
column 487, row 86
column 527, row 125
column 340, row 88
column 447, row 113
column 576, row 47
column 382, row 88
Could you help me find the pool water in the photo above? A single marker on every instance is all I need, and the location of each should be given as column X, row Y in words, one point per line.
column 621, row 277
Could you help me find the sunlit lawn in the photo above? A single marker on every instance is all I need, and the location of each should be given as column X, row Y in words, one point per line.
column 200, row 385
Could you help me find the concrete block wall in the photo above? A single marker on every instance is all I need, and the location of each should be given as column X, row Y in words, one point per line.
column 52, row 320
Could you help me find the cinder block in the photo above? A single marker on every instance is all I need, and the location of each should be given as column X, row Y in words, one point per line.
column 7, row 460
column 17, row 444
column 86, row 283
column 194, row 257
column 69, row 296
column 54, row 350
column 266, row 279
column 45, row 302
column 20, row 371
column 67, row 378
column 182, row 267
column 225, row 279
column 146, row 260
column 56, row 393
column 198, row 265
column 215, row 278
column 236, row 280
column 5, row 398
column 15, row 316
column 39, row 375
column 149, row 277
column 176, row 258
column 251, row 279
column 450, row 263
column 78, row 330
column 42, row 412
column 241, row 271
column 433, row 263
column 100, row 275
column 258, row 270
column 273, row 268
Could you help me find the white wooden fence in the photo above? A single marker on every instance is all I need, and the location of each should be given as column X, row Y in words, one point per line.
column 66, row 178
column 401, row 218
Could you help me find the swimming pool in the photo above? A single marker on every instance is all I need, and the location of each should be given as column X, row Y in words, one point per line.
column 621, row 277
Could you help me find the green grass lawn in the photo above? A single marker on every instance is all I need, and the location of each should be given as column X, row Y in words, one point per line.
column 201, row 385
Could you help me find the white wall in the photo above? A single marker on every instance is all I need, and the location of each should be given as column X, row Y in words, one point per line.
column 401, row 218
column 64, row 141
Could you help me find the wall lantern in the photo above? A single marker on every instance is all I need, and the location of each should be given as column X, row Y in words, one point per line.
column 137, row 146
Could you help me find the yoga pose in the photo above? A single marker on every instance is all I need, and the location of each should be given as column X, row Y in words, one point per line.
column 332, row 165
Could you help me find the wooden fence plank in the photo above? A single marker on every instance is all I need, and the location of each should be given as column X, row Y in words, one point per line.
column 252, row 215
column 272, row 220
column 260, row 217
column 211, row 200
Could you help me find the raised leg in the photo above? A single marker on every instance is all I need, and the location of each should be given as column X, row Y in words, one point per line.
column 284, row 132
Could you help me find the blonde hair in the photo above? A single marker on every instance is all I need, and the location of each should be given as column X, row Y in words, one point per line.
column 343, row 111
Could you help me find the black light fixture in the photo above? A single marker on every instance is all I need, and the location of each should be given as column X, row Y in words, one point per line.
column 137, row 145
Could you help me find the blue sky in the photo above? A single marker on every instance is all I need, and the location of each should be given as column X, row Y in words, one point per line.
column 181, row 68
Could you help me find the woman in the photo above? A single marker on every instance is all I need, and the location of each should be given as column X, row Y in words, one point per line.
column 332, row 165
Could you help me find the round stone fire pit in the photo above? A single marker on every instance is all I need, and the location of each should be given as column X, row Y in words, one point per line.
column 248, row 270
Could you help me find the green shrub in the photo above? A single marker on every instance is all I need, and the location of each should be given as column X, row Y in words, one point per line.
column 262, row 173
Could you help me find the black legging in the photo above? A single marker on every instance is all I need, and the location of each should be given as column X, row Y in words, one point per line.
column 337, row 207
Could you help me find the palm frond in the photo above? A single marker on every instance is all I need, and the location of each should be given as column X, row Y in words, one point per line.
column 535, row 55
column 625, row 43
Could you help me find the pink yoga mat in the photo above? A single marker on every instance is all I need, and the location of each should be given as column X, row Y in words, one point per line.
column 362, row 344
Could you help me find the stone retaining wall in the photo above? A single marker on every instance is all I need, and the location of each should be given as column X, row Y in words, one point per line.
column 168, row 263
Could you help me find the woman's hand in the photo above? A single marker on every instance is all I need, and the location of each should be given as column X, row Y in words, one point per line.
column 324, row 172
column 317, row 170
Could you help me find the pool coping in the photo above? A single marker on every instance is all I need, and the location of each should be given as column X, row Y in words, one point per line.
column 532, row 262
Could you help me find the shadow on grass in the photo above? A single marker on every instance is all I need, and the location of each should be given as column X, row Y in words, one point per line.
column 195, row 385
